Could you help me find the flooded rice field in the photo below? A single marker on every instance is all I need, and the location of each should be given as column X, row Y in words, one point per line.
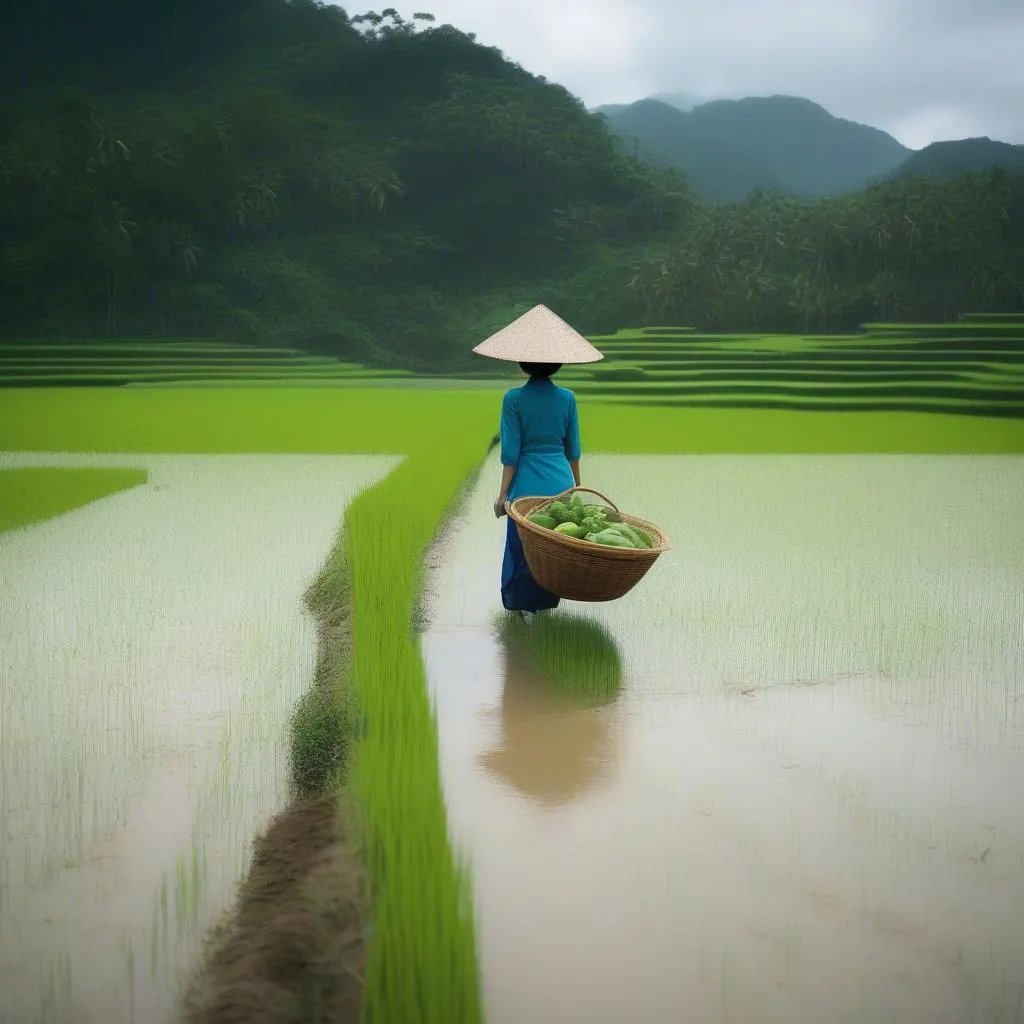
column 805, row 803
column 152, row 646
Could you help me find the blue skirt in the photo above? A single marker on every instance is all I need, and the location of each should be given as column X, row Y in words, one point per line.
column 520, row 592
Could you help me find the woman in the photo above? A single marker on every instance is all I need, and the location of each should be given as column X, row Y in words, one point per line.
column 540, row 435
column 540, row 456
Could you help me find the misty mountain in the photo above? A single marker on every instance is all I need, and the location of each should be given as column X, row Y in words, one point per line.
column 947, row 159
column 680, row 100
column 727, row 148
column 716, row 167
column 610, row 108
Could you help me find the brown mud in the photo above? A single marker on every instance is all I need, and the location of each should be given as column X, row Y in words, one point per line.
column 294, row 952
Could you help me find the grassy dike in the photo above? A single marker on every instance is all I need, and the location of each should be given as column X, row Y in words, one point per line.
column 358, row 878
column 421, row 961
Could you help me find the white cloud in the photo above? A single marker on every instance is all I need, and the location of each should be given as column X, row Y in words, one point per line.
column 922, row 70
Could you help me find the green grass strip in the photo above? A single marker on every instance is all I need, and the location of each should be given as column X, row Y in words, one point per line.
column 231, row 420
column 421, row 962
column 32, row 495
column 644, row 429
column 381, row 421
column 364, row 381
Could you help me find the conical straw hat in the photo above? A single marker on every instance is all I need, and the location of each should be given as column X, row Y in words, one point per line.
column 539, row 336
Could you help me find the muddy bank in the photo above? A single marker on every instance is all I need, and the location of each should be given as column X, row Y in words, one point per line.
column 294, row 951
column 804, row 805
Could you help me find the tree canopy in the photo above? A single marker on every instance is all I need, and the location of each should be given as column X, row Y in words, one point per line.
column 391, row 190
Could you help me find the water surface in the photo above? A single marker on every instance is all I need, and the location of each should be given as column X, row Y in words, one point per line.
column 805, row 805
column 152, row 646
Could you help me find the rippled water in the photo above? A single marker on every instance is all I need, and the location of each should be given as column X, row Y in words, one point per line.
column 152, row 645
column 806, row 803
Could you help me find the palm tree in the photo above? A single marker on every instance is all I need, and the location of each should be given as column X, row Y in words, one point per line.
column 114, row 247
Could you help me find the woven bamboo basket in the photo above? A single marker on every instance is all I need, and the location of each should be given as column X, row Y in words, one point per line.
column 579, row 570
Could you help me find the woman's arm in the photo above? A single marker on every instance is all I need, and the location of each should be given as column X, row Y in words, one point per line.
column 511, row 439
column 507, row 472
column 572, row 441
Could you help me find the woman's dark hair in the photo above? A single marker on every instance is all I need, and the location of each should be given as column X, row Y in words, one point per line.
column 540, row 369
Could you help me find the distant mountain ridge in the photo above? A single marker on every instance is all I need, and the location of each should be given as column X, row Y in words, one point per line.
column 727, row 148
column 946, row 159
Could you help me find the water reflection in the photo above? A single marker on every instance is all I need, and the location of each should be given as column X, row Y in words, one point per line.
column 558, row 728
column 815, row 810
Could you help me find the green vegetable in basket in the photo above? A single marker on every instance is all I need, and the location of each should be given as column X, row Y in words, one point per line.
column 577, row 510
column 568, row 529
column 540, row 519
column 645, row 537
column 559, row 511
column 633, row 534
column 612, row 539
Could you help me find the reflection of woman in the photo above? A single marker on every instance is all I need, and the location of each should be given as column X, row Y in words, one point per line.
column 551, row 750
column 540, row 435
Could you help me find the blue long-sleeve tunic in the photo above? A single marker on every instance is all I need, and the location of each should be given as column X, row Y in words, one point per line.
column 540, row 436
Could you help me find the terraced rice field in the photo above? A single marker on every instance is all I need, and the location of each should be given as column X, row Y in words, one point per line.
column 796, row 798
column 973, row 367
column 128, row 362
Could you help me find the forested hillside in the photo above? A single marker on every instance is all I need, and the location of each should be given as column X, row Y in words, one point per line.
column 365, row 188
column 283, row 172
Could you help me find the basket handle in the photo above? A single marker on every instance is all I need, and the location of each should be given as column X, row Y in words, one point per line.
column 589, row 490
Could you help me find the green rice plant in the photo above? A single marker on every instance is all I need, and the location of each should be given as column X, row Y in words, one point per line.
column 621, row 373
column 381, row 421
column 351, row 381
column 231, row 420
column 31, row 495
column 576, row 654
column 25, row 364
column 632, row 429
column 40, row 376
column 421, row 961
column 981, row 318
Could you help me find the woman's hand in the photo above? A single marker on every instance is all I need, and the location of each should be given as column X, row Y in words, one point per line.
column 508, row 474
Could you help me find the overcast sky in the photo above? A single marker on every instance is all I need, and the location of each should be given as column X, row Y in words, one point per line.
column 922, row 70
